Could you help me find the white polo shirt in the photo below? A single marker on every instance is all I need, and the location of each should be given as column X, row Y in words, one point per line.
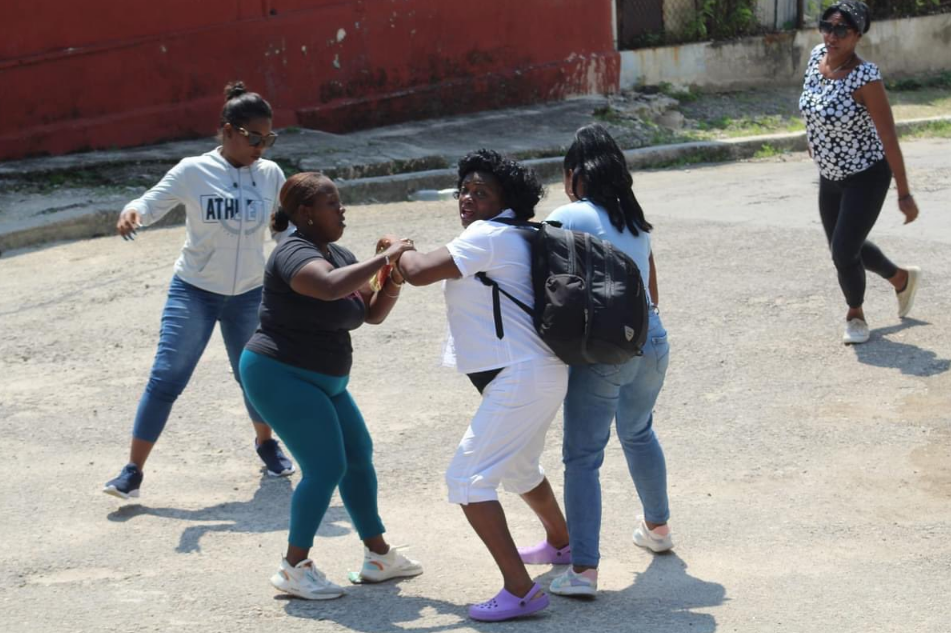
column 503, row 253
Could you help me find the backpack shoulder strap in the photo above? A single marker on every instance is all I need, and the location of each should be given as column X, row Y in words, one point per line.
column 523, row 223
column 496, row 289
column 496, row 302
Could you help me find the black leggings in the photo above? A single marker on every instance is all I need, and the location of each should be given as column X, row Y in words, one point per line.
column 849, row 209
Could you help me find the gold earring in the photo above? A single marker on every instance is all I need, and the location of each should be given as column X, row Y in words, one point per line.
column 310, row 222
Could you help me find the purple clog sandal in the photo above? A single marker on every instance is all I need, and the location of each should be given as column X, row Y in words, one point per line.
column 544, row 553
column 506, row 606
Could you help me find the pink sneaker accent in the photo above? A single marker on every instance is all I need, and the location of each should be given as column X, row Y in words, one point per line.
column 544, row 553
column 505, row 606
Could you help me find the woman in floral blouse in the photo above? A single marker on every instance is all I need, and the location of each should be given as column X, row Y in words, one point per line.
column 852, row 138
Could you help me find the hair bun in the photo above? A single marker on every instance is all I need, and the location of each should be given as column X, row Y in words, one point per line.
column 235, row 89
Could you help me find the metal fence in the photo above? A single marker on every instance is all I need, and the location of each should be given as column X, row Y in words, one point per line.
column 646, row 23
column 881, row 9
column 656, row 22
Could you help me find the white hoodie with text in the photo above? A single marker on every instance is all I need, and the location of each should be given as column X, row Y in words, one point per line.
column 227, row 217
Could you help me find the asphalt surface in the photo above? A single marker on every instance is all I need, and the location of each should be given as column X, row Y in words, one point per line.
column 810, row 482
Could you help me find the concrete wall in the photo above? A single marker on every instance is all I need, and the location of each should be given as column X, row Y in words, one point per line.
column 101, row 73
column 900, row 47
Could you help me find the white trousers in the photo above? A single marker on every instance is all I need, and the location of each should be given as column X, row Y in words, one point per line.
column 504, row 441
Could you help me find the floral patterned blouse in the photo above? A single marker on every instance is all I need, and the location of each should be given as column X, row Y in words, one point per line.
column 840, row 132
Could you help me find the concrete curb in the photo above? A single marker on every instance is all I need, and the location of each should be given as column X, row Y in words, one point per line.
column 398, row 187
column 89, row 223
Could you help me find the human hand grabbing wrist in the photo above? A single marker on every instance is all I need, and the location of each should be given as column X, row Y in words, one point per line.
column 395, row 275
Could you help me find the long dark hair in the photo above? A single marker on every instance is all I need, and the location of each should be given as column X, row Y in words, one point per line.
column 596, row 161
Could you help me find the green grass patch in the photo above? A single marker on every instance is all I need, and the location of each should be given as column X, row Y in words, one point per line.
column 607, row 114
column 910, row 84
column 287, row 166
column 684, row 95
column 726, row 126
column 933, row 129
column 768, row 151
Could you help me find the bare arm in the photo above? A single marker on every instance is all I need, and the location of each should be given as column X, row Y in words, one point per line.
column 320, row 280
column 422, row 269
column 379, row 304
column 875, row 99
column 652, row 280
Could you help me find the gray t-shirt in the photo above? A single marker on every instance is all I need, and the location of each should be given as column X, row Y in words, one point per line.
column 303, row 331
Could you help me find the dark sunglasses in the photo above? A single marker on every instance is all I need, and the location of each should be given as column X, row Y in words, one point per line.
column 256, row 138
column 840, row 29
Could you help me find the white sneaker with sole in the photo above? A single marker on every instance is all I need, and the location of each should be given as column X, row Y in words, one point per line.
column 377, row 567
column 304, row 580
column 906, row 298
column 571, row 583
column 653, row 540
column 856, row 331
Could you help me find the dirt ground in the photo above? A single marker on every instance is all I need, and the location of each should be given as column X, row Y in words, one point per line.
column 810, row 482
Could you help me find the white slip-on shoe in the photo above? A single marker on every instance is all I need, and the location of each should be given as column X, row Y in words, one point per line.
column 906, row 298
column 304, row 580
column 856, row 331
column 652, row 539
column 377, row 567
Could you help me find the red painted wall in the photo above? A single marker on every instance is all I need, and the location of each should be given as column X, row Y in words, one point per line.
column 100, row 73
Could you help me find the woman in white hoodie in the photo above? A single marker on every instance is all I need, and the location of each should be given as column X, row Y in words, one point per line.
column 228, row 195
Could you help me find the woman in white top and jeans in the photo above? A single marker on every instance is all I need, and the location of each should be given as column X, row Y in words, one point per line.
column 521, row 380
column 599, row 185
column 229, row 194
column 852, row 138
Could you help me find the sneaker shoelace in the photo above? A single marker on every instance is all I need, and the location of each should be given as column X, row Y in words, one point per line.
column 316, row 575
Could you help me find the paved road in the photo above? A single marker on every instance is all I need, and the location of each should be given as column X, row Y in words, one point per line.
column 810, row 483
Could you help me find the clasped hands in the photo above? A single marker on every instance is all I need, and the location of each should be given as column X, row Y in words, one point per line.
column 393, row 247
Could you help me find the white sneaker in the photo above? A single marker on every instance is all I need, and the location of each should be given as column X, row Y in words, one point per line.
column 856, row 331
column 304, row 580
column 377, row 568
column 571, row 583
column 652, row 539
column 906, row 298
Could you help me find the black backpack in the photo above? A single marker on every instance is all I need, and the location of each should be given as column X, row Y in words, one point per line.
column 590, row 301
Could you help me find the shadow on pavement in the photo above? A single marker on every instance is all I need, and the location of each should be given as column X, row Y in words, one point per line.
column 660, row 599
column 663, row 596
column 910, row 359
column 267, row 511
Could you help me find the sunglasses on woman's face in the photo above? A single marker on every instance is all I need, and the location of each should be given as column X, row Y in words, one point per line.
column 840, row 30
column 256, row 138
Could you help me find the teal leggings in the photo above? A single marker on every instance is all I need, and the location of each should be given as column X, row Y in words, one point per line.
column 322, row 427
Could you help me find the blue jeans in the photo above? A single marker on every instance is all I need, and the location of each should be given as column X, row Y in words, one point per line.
column 598, row 395
column 188, row 320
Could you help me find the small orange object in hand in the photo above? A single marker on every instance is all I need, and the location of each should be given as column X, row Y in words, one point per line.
column 379, row 278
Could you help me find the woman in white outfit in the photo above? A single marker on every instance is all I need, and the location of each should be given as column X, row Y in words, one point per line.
column 521, row 380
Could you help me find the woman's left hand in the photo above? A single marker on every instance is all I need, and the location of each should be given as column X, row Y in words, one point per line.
column 909, row 207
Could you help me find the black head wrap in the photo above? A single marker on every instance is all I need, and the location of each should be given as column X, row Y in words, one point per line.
column 854, row 12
